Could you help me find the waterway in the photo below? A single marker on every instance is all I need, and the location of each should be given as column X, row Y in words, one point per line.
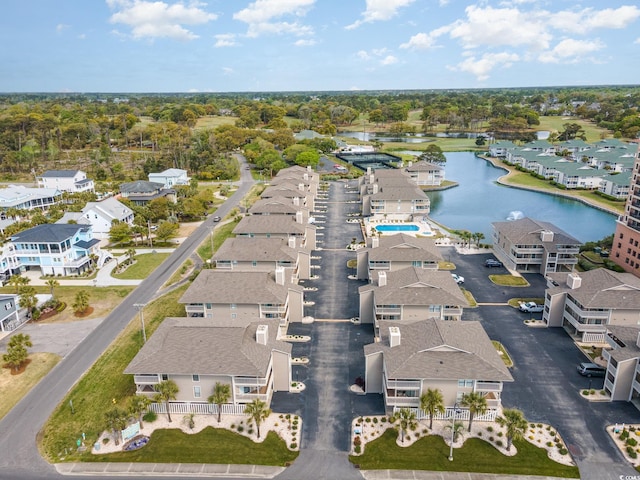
column 478, row 201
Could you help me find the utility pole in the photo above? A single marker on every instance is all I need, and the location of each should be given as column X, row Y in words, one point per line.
column 140, row 307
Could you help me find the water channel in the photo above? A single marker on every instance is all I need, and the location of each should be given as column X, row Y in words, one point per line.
column 478, row 201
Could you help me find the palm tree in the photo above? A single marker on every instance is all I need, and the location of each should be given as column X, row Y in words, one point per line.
column 52, row 283
column 116, row 421
column 514, row 422
column 81, row 302
column 431, row 403
column 257, row 411
column 457, row 427
column 138, row 407
column 18, row 281
column 131, row 253
column 478, row 237
column 476, row 403
column 167, row 390
column 221, row 394
column 407, row 420
column 465, row 236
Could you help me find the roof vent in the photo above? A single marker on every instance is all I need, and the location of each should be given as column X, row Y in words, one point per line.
column 262, row 334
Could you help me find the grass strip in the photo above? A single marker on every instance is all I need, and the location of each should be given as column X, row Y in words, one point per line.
column 211, row 445
column 14, row 387
column 102, row 387
column 431, row 453
column 144, row 265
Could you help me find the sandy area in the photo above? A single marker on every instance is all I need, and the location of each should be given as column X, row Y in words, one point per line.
column 537, row 434
column 622, row 444
column 276, row 422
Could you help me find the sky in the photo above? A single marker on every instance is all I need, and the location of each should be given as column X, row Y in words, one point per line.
column 315, row 45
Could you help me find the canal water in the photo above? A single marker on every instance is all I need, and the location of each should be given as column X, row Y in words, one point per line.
column 478, row 201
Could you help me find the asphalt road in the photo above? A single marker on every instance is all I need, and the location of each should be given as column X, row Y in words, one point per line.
column 19, row 428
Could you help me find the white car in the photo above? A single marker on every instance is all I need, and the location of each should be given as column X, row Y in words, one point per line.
column 530, row 307
column 459, row 279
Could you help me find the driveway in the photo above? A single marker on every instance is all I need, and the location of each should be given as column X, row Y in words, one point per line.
column 547, row 385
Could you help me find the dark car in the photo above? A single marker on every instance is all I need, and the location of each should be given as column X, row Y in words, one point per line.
column 589, row 369
column 216, row 218
column 492, row 263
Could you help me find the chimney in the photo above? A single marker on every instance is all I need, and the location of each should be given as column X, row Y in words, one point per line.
column 375, row 242
column 546, row 236
column 262, row 334
column 299, row 216
column 394, row 337
column 368, row 170
column 309, row 169
column 280, row 275
column 409, row 163
column 372, row 178
column 296, row 201
column 574, row 281
column 305, row 176
column 382, row 279
column 375, row 188
column 292, row 242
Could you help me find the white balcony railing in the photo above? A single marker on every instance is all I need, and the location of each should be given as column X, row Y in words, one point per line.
column 145, row 379
column 488, row 386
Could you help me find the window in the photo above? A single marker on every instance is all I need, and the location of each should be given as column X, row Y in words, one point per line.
column 465, row 383
column 164, row 377
column 195, row 377
column 196, row 392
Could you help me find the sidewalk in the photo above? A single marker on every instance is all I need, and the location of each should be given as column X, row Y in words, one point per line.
column 187, row 470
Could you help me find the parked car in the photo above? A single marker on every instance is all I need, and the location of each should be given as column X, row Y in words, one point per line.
column 216, row 218
column 491, row 263
column 530, row 307
column 459, row 279
column 589, row 369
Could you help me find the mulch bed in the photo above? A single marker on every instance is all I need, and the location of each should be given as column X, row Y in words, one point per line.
column 20, row 370
column 88, row 311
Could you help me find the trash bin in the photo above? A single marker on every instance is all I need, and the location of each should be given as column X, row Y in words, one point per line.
column 96, row 446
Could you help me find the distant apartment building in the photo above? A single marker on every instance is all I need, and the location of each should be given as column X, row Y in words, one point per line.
column 625, row 251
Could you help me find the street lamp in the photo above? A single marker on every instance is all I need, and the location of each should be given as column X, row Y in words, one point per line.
column 453, row 429
column 211, row 237
column 140, row 307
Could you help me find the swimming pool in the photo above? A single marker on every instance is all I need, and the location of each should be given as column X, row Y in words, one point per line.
column 398, row 228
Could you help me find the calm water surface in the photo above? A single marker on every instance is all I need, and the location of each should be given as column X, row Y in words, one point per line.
column 478, row 201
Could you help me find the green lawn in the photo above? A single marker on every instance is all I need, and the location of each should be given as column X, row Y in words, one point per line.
column 211, row 445
column 220, row 234
column 214, row 121
column 145, row 264
column 431, row 453
column 509, row 280
column 506, row 358
column 556, row 123
column 104, row 382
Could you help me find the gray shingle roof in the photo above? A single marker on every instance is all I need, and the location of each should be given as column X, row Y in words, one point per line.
column 410, row 192
column 184, row 346
column 276, row 224
column 526, row 231
column 601, row 288
column 59, row 173
column 402, row 247
column 261, row 249
column 438, row 349
column 417, row 286
column 225, row 287
column 423, row 166
column 628, row 335
column 141, row 186
column 110, row 208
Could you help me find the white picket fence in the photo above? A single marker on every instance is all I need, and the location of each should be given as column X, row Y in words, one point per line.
column 197, row 408
column 460, row 414
column 593, row 337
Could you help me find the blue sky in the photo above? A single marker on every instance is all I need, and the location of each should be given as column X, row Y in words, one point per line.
column 294, row 45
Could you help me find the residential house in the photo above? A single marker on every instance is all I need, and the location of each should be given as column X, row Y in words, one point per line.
column 19, row 197
column 578, row 175
column 585, row 304
column 527, row 245
column 101, row 215
column 279, row 226
column 616, row 185
column 456, row 358
column 9, row 313
column 230, row 297
column 142, row 192
column 411, row 294
column 170, row 178
column 72, row 181
column 263, row 255
column 425, row 174
column 500, row 149
column 396, row 252
column 196, row 355
column 56, row 249
column 297, row 193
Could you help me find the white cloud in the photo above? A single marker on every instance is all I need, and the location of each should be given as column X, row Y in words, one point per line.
column 61, row 27
column 444, row 3
column 501, row 27
column 388, row 60
column 148, row 19
column 82, row 36
column 261, row 16
column 363, row 55
column 570, row 50
column 484, row 65
column 379, row 10
column 225, row 40
column 425, row 41
column 589, row 19
column 227, row 71
column 305, row 43
column 637, row 40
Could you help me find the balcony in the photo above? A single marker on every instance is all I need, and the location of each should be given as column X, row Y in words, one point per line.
column 394, row 399
column 381, row 310
column 488, row 386
column 146, row 379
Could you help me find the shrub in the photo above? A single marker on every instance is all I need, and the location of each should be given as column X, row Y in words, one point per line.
column 549, row 444
column 585, row 392
column 240, row 428
column 357, row 441
column 375, row 419
column 539, row 425
column 383, row 420
column 633, row 454
column 632, row 441
column 532, row 425
column 357, row 449
column 479, row 434
column 491, row 439
column 499, row 443
column 563, row 451
column 548, row 427
column 624, row 435
column 250, row 431
column 592, row 391
column 531, row 437
column 500, row 434
column 489, row 428
column 552, row 433
column 367, row 420
column 150, row 417
column 293, row 446
column 105, row 440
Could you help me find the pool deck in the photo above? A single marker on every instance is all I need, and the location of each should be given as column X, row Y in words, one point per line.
column 424, row 228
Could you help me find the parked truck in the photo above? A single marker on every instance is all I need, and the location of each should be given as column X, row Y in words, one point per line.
column 530, row 307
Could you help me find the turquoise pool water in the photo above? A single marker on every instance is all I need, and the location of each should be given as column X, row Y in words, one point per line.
column 397, row 228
